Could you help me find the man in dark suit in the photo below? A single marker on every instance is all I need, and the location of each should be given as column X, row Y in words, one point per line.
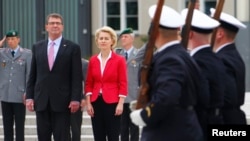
column 173, row 87
column 76, row 118
column 211, row 66
column 55, row 83
column 225, row 48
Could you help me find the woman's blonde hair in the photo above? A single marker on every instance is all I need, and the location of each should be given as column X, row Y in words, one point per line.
column 109, row 30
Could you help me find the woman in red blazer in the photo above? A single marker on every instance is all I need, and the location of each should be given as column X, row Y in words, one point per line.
column 106, row 87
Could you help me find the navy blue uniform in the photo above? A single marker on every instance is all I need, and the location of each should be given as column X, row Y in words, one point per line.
column 235, row 85
column 174, row 87
column 213, row 71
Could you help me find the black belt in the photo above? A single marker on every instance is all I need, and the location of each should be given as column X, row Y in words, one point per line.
column 215, row 111
column 189, row 108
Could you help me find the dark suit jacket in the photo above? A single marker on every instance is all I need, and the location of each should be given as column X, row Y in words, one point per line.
column 235, row 70
column 85, row 64
column 174, row 86
column 213, row 70
column 60, row 85
column 113, row 82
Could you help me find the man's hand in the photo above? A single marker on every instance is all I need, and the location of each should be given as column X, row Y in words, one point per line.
column 30, row 105
column 2, row 41
column 74, row 106
column 136, row 118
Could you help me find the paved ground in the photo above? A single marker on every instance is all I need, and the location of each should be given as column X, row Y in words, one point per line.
column 246, row 106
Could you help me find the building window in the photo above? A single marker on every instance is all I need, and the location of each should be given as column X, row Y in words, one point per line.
column 209, row 4
column 205, row 5
column 121, row 14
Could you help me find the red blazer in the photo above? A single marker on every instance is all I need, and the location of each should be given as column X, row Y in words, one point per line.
column 113, row 82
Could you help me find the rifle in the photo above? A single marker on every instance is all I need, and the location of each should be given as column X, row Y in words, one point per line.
column 216, row 16
column 143, row 97
column 186, row 29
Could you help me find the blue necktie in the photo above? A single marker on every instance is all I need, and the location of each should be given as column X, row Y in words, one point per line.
column 13, row 53
column 126, row 55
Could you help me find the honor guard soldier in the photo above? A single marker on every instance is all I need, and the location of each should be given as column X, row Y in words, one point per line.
column 14, row 70
column 226, row 49
column 209, row 111
column 173, row 87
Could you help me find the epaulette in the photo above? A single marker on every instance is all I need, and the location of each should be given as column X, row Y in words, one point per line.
column 27, row 50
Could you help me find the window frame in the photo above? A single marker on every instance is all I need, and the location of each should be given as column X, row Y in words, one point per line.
column 203, row 5
column 123, row 14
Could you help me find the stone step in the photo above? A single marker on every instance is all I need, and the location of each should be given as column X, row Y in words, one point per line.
column 34, row 138
column 31, row 132
column 31, row 120
column 87, row 133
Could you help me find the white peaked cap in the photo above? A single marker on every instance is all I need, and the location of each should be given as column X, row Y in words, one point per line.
column 228, row 21
column 169, row 17
column 200, row 21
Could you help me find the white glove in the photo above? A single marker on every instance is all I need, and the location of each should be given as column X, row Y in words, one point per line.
column 136, row 118
column 132, row 105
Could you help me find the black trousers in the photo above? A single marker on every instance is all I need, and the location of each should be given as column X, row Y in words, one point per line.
column 13, row 112
column 106, row 126
column 129, row 131
column 50, row 122
column 234, row 115
column 75, row 125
